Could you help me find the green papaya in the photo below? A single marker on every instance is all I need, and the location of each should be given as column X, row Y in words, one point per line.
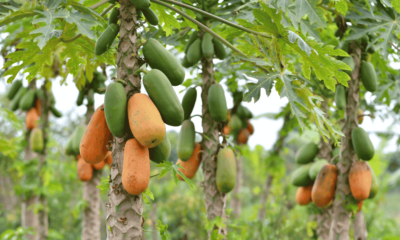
column 80, row 98
column 188, row 102
column 141, row 4
column 115, row 108
column 106, row 39
column 77, row 137
column 164, row 97
column 160, row 58
column 374, row 184
column 90, row 97
column 340, row 97
column 226, row 170
column 235, row 123
column 217, row 103
column 249, row 114
column 36, row 140
column 306, row 153
column 39, row 93
column 194, row 53
column 219, row 49
column 336, row 152
column 186, row 140
column 150, row 16
column 16, row 85
column 99, row 87
column 207, row 47
column 161, row 152
column 300, row 176
column 51, row 98
column 113, row 16
column 241, row 111
column 371, row 50
column 368, row 76
column 186, row 63
column 98, row 77
column 15, row 102
column 27, row 100
column 55, row 112
column 362, row 144
column 349, row 61
column 316, row 167
column 68, row 147
column 191, row 40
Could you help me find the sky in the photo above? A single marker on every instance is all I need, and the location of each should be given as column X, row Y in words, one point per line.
column 265, row 129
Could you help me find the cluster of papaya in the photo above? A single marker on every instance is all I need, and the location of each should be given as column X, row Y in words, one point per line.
column 316, row 178
column 96, row 86
column 28, row 100
column 72, row 148
column 107, row 38
column 239, row 124
column 202, row 46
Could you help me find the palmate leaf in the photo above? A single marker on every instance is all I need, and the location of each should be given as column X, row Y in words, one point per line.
column 31, row 53
column 26, row 10
column 265, row 81
column 166, row 19
column 309, row 7
column 384, row 30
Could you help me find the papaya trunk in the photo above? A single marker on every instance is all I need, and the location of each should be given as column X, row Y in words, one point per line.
column 236, row 201
column 91, row 194
column 360, row 228
column 341, row 218
column 124, row 211
column 268, row 182
column 37, row 221
column 42, row 232
column 324, row 219
column 215, row 201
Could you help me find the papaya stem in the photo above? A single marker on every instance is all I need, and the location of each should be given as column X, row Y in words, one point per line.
column 213, row 16
column 79, row 35
column 197, row 115
column 155, row 175
column 206, row 29
column 203, row 135
column 137, row 72
column 94, row 6
column 121, row 81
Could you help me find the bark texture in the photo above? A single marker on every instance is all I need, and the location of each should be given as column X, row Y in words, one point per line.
column 236, row 201
column 324, row 219
column 360, row 228
column 124, row 211
column 341, row 218
column 91, row 194
column 215, row 201
column 38, row 221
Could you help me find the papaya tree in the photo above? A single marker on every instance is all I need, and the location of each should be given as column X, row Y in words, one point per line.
column 266, row 39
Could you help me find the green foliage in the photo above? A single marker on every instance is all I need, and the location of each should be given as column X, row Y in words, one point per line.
column 163, row 228
column 104, row 185
column 146, row 195
column 169, row 167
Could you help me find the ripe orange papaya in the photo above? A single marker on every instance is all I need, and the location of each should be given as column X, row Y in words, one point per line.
column 136, row 167
column 360, row 205
column 100, row 165
column 93, row 146
column 324, row 186
column 250, row 127
column 31, row 118
column 145, row 121
column 243, row 136
column 226, row 130
column 303, row 195
column 360, row 178
column 192, row 165
column 85, row 170
column 38, row 106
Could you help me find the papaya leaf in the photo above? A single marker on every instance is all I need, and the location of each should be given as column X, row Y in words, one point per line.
column 341, row 6
column 174, row 169
column 384, row 31
column 147, row 194
column 26, row 10
column 167, row 20
column 265, row 81
column 309, row 8
column 104, row 185
column 396, row 5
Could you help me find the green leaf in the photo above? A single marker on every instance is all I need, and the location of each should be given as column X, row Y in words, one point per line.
column 396, row 5
column 166, row 19
column 104, row 185
column 25, row 11
column 263, row 81
column 309, row 7
column 174, row 169
column 341, row 6
column 146, row 195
